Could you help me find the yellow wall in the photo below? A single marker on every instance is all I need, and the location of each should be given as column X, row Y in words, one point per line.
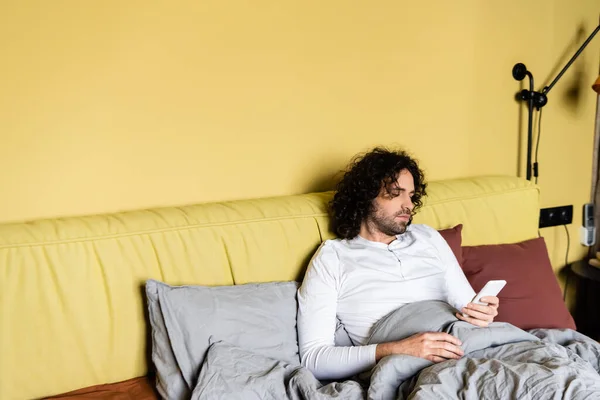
column 116, row 105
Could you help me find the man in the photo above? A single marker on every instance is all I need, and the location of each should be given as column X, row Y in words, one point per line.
column 381, row 262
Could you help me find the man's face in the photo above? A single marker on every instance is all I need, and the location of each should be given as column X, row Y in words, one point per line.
column 392, row 209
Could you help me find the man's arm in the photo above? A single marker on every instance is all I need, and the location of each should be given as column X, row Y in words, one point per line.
column 458, row 289
column 317, row 309
column 433, row 346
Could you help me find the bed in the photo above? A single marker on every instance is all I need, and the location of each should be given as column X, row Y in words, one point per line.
column 192, row 301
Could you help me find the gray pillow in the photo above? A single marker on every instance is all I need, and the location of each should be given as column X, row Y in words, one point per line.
column 169, row 381
column 185, row 320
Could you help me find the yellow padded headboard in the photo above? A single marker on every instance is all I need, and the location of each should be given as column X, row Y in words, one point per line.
column 71, row 302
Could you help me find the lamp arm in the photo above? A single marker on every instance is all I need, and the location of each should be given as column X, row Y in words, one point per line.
column 560, row 74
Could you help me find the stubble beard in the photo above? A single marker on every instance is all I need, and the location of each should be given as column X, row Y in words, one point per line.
column 386, row 224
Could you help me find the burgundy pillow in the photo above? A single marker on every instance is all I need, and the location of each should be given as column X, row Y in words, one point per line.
column 453, row 237
column 531, row 297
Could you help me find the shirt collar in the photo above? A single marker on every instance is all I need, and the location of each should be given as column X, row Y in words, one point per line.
column 381, row 245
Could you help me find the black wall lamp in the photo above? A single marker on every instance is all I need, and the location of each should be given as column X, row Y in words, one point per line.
column 539, row 99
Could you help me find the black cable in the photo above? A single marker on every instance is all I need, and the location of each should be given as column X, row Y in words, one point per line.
column 537, row 146
column 568, row 245
column 567, row 262
column 566, row 286
column 592, row 249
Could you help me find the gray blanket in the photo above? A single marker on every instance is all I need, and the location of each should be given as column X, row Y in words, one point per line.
column 233, row 373
column 500, row 361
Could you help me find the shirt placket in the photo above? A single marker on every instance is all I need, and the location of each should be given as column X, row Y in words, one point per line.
column 397, row 257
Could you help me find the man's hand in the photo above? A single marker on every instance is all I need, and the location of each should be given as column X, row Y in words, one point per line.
column 480, row 315
column 433, row 346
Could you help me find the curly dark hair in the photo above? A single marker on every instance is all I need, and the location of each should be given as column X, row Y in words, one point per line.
column 362, row 183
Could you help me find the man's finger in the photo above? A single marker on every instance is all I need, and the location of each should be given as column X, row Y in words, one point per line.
column 446, row 354
column 477, row 322
column 448, row 347
column 480, row 308
column 490, row 300
column 472, row 321
column 442, row 336
column 487, row 310
column 436, row 359
column 478, row 314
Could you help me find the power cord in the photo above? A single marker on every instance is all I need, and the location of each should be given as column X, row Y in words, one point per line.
column 568, row 245
column 567, row 262
column 537, row 146
column 592, row 249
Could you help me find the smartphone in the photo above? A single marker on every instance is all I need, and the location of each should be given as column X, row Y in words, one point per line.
column 492, row 288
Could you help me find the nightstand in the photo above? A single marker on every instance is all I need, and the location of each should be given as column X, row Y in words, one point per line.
column 587, row 304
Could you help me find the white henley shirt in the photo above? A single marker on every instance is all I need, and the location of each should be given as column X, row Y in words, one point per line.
column 360, row 282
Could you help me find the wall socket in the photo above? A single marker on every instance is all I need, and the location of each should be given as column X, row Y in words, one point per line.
column 555, row 216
